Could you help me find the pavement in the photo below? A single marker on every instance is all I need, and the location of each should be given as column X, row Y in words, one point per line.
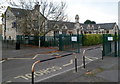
column 105, row 70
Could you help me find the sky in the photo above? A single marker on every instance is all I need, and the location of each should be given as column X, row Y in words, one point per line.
column 100, row 11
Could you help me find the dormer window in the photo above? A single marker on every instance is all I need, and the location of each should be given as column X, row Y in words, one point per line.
column 88, row 26
column 13, row 24
column 92, row 26
column 81, row 27
column 99, row 27
column 18, row 13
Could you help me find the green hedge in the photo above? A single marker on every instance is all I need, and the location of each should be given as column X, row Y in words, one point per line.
column 92, row 39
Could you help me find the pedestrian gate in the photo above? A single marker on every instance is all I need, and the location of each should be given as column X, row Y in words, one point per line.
column 111, row 44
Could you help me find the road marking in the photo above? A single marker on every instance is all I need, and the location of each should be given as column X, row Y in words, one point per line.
column 18, row 58
column 93, row 57
column 71, row 62
column 23, row 58
column 8, row 81
column 62, row 72
column 21, row 77
column 58, row 74
column 88, row 58
column 39, row 73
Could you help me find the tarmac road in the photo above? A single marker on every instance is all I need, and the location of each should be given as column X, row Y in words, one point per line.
column 19, row 69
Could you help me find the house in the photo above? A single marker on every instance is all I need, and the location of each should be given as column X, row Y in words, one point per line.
column 31, row 22
column 22, row 22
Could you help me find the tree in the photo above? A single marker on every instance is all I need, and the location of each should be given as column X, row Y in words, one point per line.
column 89, row 22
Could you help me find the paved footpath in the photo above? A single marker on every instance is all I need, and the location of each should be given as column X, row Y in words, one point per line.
column 105, row 70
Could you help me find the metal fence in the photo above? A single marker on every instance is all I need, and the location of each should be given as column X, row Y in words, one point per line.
column 49, row 41
column 70, row 42
column 63, row 42
column 31, row 40
column 111, row 44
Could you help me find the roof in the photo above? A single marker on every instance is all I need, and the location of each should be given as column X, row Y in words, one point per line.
column 107, row 26
column 18, row 12
column 52, row 23
column 71, row 25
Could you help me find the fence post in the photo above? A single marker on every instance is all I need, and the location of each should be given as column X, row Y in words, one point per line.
column 102, row 55
column 118, row 43
column 115, row 44
column 78, row 41
column 60, row 42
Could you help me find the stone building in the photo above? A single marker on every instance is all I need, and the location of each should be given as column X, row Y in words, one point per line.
column 22, row 22
column 31, row 22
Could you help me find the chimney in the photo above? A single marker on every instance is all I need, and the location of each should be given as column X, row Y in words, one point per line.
column 37, row 6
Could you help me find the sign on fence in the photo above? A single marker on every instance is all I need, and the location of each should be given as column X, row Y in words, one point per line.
column 74, row 38
column 110, row 38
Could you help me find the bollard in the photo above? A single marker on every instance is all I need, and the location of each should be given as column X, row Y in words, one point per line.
column 83, row 61
column 33, row 70
column 56, row 57
column 7, row 43
column 102, row 55
column 75, row 64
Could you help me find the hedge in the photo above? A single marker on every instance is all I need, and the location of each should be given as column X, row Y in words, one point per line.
column 92, row 39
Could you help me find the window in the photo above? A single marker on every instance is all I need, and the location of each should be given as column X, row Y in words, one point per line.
column 56, row 33
column 13, row 24
column 107, row 32
column 64, row 32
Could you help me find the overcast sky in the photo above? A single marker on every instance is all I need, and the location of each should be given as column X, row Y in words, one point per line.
column 101, row 11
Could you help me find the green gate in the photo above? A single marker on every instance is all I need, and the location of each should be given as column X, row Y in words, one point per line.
column 119, row 43
column 111, row 44
column 70, row 42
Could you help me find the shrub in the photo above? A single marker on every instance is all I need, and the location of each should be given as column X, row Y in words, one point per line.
column 92, row 39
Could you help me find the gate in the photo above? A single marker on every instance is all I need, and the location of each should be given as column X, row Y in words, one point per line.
column 111, row 44
column 119, row 43
column 70, row 42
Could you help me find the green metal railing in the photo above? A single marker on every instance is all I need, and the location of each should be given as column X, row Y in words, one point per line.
column 70, row 42
column 111, row 47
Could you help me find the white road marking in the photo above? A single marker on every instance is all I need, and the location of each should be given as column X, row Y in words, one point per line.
column 57, row 74
column 18, row 58
column 93, row 57
column 21, row 77
column 88, row 58
column 62, row 72
column 9, row 81
column 24, row 58
column 39, row 73
column 71, row 62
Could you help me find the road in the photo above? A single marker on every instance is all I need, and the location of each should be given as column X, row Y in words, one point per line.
column 19, row 69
